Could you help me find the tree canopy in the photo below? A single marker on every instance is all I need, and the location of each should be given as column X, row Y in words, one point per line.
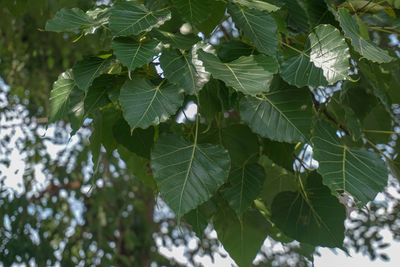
column 296, row 122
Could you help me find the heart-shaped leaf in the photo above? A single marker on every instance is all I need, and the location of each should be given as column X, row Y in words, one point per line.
column 250, row 75
column 145, row 104
column 317, row 219
column 188, row 174
column 360, row 172
column 132, row 18
column 283, row 115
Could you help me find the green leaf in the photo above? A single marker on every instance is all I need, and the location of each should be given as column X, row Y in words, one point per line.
column 145, row 104
column 179, row 69
column 241, row 238
column 345, row 116
column 241, row 144
column 382, row 80
column 283, row 115
column 176, row 40
column 329, row 52
column 257, row 4
column 360, row 172
column 76, row 113
column 210, row 104
column 216, row 15
column 140, row 167
column 188, row 174
column 110, row 115
column 250, row 75
column 277, row 180
column 297, row 16
column 199, row 217
column 279, row 153
column 245, row 184
column 234, row 49
column 301, row 72
column 86, row 70
column 376, row 123
column 69, row 20
column 132, row 18
column 133, row 53
column 303, row 15
column 138, row 141
column 97, row 93
column 259, row 26
column 60, row 96
column 95, row 142
column 194, row 11
column 366, row 48
column 317, row 220
column 100, row 15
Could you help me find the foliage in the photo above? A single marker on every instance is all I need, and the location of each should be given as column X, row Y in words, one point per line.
column 287, row 75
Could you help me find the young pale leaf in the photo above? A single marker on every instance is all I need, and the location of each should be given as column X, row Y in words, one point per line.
column 360, row 172
column 245, row 184
column 86, row 70
column 317, row 220
column 69, row 20
column 366, row 48
column 259, row 26
column 250, row 75
column 188, row 174
column 60, row 96
column 241, row 238
column 132, row 18
column 145, row 104
column 283, row 115
column 133, row 53
column 179, row 69
column 257, row 4
column 300, row 71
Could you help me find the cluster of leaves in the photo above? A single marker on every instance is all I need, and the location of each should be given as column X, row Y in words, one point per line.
column 240, row 164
